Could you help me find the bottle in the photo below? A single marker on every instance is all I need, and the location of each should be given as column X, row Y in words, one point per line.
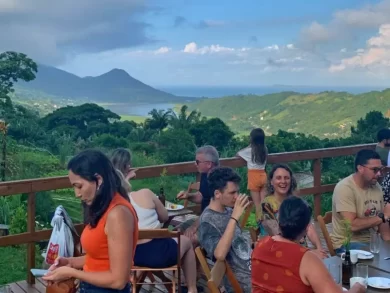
column 161, row 197
column 347, row 268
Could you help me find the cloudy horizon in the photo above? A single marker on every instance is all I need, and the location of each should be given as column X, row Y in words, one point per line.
column 197, row 42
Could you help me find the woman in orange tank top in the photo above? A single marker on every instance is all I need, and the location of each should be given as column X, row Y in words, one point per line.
column 281, row 264
column 111, row 234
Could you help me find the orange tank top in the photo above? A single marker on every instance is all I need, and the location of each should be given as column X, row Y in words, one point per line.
column 275, row 267
column 94, row 240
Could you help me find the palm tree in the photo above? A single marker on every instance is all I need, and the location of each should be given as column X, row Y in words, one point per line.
column 182, row 120
column 159, row 119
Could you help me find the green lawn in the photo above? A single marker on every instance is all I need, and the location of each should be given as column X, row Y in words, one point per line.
column 136, row 119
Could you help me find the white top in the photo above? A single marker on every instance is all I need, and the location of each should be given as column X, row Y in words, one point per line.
column 246, row 154
column 147, row 218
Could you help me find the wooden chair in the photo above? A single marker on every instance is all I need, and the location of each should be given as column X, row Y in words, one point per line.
column 193, row 186
column 219, row 270
column 323, row 221
column 140, row 273
column 213, row 274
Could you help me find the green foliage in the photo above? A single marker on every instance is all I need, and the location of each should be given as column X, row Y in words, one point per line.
column 19, row 220
column 110, row 141
column 370, row 125
column 176, row 145
column 347, row 234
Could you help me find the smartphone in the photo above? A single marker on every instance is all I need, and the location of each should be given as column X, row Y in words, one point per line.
column 39, row 273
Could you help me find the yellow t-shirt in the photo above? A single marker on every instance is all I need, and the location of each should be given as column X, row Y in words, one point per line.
column 271, row 200
column 348, row 197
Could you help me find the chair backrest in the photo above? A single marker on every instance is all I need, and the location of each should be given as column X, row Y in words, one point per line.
column 323, row 221
column 193, row 186
column 246, row 216
column 219, row 270
column 201, row 255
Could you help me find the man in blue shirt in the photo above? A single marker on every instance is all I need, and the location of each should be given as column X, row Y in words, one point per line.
column 206, row 159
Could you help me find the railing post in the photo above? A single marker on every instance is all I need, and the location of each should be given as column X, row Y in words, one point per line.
column 30, row 229
column 317, row 183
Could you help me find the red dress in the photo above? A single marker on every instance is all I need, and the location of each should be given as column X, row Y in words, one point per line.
column 275, row 267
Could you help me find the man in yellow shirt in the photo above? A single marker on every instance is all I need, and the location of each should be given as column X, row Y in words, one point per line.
column 359, row 199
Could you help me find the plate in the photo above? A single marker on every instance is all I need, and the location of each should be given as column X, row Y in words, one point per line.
column 362, row 254
column 345, row 290
column 379, row 283
column 170, row 206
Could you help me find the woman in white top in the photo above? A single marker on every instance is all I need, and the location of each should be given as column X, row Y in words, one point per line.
column 256, row 157
column 159, row 253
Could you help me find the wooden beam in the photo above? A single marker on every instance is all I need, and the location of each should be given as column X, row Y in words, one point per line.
column 317, row 183
column 30, row 229
column 52, row 183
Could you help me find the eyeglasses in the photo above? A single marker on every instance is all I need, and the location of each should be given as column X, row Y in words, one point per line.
column 375, row 169
column 199, row 162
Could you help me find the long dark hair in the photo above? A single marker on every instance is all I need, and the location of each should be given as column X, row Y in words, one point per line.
column 259, row 149
column 121, row 158
column 87, row 165
column 293, row 184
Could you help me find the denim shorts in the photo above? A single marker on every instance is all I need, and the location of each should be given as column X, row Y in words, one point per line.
column 89, row 288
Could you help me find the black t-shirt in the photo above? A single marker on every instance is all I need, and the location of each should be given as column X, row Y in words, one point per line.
column 204, row 190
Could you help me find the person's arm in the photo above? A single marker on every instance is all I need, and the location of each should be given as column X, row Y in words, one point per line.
column 77, row 262
column 384, row 228
column 313, row 237
column 244, row 153
column 195, row 197
column 314, row 273
column 119, row 229
column 162, row 212
column 346, row 206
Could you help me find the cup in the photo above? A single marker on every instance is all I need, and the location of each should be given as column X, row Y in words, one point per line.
column 335, row 271
column 360, row 275
column 5, row 289
column 374, row 241
column 354, row 256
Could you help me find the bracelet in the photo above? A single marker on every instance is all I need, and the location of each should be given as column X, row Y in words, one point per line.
column 238, row 224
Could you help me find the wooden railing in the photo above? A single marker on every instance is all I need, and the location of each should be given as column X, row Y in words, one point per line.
column 32, row 186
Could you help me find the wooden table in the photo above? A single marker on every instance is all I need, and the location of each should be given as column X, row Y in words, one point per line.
column 378, row 262
column 372, row 272
column 177, row 213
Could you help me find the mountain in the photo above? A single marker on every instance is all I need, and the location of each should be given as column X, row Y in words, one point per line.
column 326, row 114
column 115, row 86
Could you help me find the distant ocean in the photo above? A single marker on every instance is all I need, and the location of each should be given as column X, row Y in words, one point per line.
column 217, row 92
column 220, row 91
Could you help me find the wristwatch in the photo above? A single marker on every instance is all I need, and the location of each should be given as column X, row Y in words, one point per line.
column 382, row 216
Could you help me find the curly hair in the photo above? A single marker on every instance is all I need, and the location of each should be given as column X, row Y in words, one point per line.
column 293, row 184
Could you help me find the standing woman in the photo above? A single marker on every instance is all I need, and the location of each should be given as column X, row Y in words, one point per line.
column 256, row 157
column 111, row 234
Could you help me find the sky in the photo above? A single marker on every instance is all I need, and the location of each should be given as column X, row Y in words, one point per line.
column 207, row 42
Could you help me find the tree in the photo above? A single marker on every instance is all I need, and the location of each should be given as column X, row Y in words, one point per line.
column 369, row 126
column 182, row 120
column 159, row 119
column 176, row 145
column 13, row 67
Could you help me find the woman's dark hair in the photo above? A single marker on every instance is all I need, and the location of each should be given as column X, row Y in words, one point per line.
column 88, row 164
column 294, row 217
column 293, row 185
column 259, row 149
column 121, row 159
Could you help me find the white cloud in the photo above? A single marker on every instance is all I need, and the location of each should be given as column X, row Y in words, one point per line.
column 192, row 48
column 290, row 46
column 272, row 48
column 162, row 50
column 343, row 50
column 376, row 54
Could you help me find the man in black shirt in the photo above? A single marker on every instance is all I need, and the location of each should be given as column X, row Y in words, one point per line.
column 206, row 159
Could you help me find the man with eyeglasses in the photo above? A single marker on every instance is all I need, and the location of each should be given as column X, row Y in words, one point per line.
column 359, row 199
column 206, row 159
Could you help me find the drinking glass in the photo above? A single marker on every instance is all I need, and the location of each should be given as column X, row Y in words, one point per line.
column 335, row 271
column 375, row 242
column 5, row 289
column 360, row 275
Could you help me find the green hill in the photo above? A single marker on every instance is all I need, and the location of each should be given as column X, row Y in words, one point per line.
column 327, row 114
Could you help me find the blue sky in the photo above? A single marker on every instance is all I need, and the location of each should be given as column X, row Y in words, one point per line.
column 208, row 42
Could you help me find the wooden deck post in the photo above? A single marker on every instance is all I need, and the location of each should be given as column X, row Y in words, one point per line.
column 30, row 229
column 317, row 183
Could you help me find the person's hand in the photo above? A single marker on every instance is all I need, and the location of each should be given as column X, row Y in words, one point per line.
column 321, row 253
column 60, row 262
column 182, row 195
column 358, row 288
column 242, row 202
column 131, row 174
column 386, row 211
column 59, row 274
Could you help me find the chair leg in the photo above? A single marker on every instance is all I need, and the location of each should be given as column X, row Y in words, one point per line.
column 164, row 279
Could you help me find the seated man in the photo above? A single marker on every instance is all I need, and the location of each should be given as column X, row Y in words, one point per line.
column 206, row 159
column 219, row 231
column 359, row 199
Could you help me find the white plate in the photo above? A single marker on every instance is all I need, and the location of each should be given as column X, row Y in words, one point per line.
column 379, row 283
column 170, row 206
column 362, row 254
column 345, row 290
